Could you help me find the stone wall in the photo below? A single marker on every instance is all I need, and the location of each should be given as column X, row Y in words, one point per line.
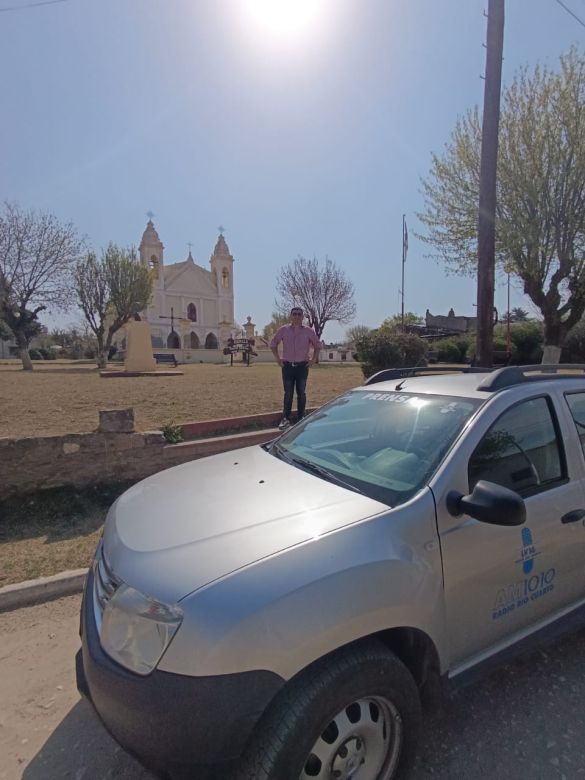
column 113, row 453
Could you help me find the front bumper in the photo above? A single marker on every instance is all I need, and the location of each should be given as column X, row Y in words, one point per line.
column 170, row 721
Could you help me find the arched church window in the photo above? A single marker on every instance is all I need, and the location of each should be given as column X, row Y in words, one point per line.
column 194, row 341
column 211, row 341
column 173, row 341
column 156, row 341
column 225, row 278
column 192, row 312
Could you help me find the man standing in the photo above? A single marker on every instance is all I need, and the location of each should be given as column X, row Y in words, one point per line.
column 296, row 340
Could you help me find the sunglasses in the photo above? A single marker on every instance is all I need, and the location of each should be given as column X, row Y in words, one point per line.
column 297, row 313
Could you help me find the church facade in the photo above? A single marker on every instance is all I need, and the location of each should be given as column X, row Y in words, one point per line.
column 192, row 308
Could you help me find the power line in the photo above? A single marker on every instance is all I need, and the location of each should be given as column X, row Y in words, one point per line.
column 30, row 5
column 568, row 10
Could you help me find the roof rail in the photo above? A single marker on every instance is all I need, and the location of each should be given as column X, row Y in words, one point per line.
column 515, row 375
column 402, row 373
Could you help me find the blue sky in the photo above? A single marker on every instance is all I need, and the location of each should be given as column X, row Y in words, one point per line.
column 309, row 142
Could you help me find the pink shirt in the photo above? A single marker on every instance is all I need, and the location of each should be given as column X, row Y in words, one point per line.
column 295, row 342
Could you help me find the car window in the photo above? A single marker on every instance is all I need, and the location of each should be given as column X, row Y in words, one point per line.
column 576, row 402
column 521, row 450
column 386, row 444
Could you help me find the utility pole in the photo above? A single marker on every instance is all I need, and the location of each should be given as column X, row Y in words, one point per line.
column 404, row 253
column 486, row 234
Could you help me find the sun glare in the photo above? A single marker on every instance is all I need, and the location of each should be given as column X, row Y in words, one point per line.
column 282, row 17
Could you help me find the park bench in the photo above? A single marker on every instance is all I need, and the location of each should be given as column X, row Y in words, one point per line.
column 161, row 357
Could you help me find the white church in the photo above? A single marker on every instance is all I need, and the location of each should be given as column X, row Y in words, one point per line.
column 192, row 309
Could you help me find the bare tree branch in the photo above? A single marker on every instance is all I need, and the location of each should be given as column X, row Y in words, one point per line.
column 324, row 293
column 37, row 258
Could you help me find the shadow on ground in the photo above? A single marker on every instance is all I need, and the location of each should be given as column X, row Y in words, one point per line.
column 80, row 748
column 57, row 513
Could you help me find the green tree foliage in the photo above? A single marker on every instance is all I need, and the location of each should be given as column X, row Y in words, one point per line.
column 540, row 219
column 5, row 333
column 384, row 348
column 109, row 291
column 37, row 258
column 395, row 321
column 324, row 292
column 276, row 321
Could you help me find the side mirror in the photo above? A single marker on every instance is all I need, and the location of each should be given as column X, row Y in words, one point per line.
column 488, row 503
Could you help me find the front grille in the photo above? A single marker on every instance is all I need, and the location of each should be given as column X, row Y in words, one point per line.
column 105, row 584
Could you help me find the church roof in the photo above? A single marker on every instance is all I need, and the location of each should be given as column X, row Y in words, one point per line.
column 150, row 237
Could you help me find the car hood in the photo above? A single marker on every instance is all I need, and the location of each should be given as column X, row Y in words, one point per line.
column 181, row 529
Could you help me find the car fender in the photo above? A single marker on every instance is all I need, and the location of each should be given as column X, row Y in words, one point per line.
column 284, row 612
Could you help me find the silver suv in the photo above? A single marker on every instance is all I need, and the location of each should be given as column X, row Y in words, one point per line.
column 282, row 612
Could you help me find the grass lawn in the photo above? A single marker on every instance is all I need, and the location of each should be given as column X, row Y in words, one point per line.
column 59, row 397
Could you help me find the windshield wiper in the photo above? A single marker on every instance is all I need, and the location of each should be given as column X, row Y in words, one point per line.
column 325, row 473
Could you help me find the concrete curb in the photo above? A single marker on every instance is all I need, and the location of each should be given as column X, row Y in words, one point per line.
column 24, row 594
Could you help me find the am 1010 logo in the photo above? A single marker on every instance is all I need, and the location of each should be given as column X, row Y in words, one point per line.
column 519, row 594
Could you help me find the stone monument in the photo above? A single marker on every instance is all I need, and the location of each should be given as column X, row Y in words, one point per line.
column 138, row 347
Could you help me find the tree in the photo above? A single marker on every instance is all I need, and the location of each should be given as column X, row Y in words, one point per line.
column 540, row 217
column 76, row 340
column 356, row 332
column 37, row 258
column 277, row 320
column 518, row 315
column 109, row 291
column 395, row 321
column 325, row 294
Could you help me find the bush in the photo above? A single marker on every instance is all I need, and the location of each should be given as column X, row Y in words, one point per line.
column 35, row 354
column 172, row 433
column 47, row 354
column 574, row 348
column 527, row 339
column 451, row 350
column 384, row 349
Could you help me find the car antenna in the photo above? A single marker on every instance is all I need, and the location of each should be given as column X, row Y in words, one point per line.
column 399, row 385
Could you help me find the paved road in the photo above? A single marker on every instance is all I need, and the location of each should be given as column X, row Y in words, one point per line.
column 524, row 722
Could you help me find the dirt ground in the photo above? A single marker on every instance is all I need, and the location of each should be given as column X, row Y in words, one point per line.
column 521, row 722
column 59, row 398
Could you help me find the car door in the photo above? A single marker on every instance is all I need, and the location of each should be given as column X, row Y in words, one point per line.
column 501, row 580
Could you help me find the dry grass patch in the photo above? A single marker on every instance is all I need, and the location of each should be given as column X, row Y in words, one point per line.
column 59, row 398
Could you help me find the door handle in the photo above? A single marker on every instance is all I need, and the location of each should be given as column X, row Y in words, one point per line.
column 574, row 516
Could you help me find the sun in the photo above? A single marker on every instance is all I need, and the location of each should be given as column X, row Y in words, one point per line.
column 282, row 17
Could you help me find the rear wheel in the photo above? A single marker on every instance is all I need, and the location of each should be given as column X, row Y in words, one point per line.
column 354, row 715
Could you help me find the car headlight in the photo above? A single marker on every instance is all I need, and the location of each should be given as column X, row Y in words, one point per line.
column 136, row 630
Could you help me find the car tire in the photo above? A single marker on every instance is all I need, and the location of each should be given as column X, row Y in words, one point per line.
column 357, row 706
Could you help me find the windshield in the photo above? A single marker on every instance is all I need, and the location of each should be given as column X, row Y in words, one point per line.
column 384, row 444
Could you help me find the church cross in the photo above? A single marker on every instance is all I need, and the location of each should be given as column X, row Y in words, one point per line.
column 172, row 318
column 150, row 215
column 221, row 230
column 189, row 244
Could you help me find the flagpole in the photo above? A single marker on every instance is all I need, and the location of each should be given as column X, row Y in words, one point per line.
column 403, row 259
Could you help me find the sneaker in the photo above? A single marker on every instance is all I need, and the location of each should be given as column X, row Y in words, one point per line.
column 283, row 424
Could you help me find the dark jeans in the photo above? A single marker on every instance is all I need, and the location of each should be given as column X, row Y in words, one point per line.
column 294, row 376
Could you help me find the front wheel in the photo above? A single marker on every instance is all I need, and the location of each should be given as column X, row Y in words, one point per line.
column 354, row 715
